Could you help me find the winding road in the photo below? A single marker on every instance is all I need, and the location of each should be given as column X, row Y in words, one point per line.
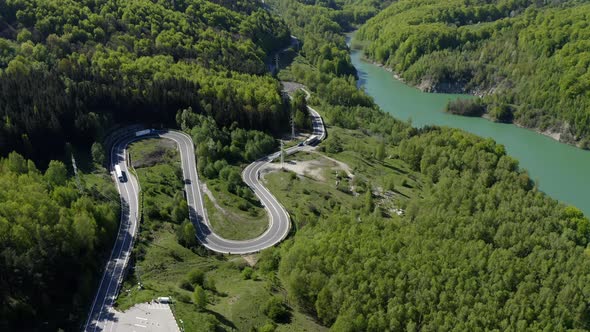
column 101, row 315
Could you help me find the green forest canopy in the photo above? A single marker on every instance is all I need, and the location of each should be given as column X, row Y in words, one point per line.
column 531, row 56
column 70, row 69
column 480, row 249
column 52, row 241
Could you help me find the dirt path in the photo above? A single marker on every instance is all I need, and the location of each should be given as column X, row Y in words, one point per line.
column 213, row 200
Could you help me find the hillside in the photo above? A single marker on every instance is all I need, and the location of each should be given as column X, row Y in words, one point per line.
column 70, row 70
column 54, row 236
column 527, row 58
column 478, row 245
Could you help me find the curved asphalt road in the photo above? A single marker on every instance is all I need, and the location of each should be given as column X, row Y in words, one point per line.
column 101, row 316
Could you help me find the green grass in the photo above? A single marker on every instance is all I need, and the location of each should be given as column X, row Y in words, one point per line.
column 234, row 226
column 151, row 151
column 238, row 219
column 162, row 263
column 359, row 153
column 308, row 199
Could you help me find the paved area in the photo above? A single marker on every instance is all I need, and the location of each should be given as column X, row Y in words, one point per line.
column 145, row 317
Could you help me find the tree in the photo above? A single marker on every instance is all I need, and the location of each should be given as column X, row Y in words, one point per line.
column 247, row 273
column 200, row 298
column 276, row 309
column 380, row 153
column 16, row 163
column 186, row 234
column 56, row 173
column 369, row 204
column 333, row 144
column 196, row 276
column 98, row 153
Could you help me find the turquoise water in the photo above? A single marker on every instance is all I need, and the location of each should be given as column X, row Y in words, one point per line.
column 560, row 170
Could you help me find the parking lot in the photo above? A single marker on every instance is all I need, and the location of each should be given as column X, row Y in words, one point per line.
column 146, row 317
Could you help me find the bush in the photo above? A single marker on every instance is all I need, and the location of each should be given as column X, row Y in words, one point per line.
column 501, row 113
column 196, row 277
column 276, row 309
column 209, row 284
column 183, row 298
column 466, row 107
column 200, row 298
column 186, row 285
column 268, row 327
column 247, row 273
column 185, row 234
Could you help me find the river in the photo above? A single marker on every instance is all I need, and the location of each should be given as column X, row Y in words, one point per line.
column 560, row 170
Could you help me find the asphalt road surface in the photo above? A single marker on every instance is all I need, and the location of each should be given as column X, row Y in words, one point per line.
column 102, row 316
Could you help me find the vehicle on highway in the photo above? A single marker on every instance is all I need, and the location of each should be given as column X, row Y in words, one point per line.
column 312, row 140
column 120, row 174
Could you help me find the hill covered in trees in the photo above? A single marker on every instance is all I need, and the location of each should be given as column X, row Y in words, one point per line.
column 528, row 58
column 479, row 247
column 52, row 241
column 69, row 70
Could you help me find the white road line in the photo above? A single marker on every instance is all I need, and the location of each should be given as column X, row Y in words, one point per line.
column 141, row 318
column 139, row 325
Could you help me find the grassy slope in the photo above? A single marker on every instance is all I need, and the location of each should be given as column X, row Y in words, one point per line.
column 229, row 220
column 307, row 199
column 237, row 302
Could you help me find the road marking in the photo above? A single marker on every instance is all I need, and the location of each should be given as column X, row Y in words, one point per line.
column 139, row 325
column 141, row 318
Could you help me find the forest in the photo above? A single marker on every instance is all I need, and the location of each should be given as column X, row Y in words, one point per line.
column 478, row 245
column 54, row 237
column 479, row 248
column 71, row 70
column 528, row 59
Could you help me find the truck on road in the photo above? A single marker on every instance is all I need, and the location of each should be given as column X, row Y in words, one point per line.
column 120, row 174
column 312, row 140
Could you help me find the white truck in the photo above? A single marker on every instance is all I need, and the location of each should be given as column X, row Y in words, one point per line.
column 120, row 175
column 143, row 132
column 312, row 140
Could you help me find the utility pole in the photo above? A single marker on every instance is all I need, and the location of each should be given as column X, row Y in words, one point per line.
column 78, row 182
column 292, row 126
column 282, row 155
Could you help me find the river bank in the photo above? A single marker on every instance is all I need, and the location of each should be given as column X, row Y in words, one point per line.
column 559, row 169
column 429, row 86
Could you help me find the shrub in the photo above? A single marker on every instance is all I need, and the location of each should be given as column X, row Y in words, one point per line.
column 186, row 285
column 247, row 273
column 276, row 309
column 200, row 298
column 466, row 107
column 196, row 277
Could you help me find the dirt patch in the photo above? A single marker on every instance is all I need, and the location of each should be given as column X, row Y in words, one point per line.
column 250, row 259
column 310, row 168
